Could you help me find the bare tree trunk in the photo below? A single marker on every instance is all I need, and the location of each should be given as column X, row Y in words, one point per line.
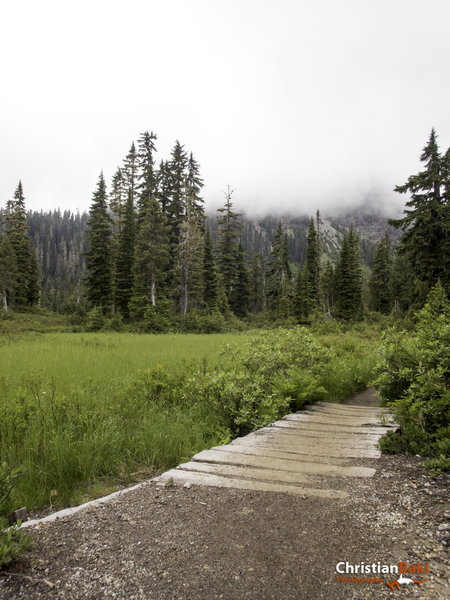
column 184, row 294
column 153, row 290
column 78, row 291
column 5, row 301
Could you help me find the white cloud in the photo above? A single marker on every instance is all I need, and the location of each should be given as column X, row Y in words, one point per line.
column 290, row 102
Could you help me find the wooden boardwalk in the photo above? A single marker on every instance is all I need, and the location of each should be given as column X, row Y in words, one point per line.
column 307, row 453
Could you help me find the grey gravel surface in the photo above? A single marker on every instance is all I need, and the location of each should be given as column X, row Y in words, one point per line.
column 203, row 543
column 206, row 543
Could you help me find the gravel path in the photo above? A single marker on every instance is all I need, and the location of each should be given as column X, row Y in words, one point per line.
column 204, row 543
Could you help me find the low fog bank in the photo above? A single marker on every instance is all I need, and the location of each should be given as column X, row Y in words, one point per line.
column 368, row 203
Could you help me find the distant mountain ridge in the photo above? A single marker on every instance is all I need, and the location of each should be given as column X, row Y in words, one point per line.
column 370, row 224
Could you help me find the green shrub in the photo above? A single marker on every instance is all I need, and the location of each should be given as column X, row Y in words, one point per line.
column 258, row 388
column 96, row 319
column 414, row 379
column 12, row 539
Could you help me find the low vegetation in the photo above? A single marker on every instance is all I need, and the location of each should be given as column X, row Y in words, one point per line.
column 414, row 379
column 80, row 430
column 12, row 539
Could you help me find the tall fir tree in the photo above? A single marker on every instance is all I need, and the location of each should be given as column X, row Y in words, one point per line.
column 118, row 197
column 191, row 261
column 192, row 241
column 27, row 287
column 229, row 226
column 151, row 258
column 380, row 282
column 146, row 173
column 312, row 267
column 301, row 305
column 99, row 250
column 8, row 271
column 130, row 172
column 425, row 224
column 123, row 274
column 279, row 272
column 348, row 283
column 175, row 212
column 176, row 207
column 164, row 186
column 194, row 185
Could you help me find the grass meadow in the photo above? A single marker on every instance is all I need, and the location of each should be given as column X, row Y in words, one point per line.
column 69, row 412
column 80, row 365
column 84, row 412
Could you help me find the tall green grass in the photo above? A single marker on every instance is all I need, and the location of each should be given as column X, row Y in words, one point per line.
column 68, row 410
column 82, row 412
column 79, row 365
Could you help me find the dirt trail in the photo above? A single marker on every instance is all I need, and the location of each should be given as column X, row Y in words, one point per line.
column 200, row 542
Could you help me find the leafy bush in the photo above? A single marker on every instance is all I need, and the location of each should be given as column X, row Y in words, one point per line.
column 12, row 539
column 258, row 388
column 414, row 378
column 96, row 319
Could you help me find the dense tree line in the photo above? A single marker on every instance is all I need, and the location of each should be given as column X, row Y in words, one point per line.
column 151, row 256
column 147, row 253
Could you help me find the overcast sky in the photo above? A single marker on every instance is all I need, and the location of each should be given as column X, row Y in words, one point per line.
column 297, row 104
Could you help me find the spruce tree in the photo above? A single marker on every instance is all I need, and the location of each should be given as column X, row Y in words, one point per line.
column 151, row 258
column 118, row 197
column 312, row 267
column 301, row 305
column 194, row 185
column 229, row 226
column 279, row 272
column 191, row 261
column 380, row 282
column 123, row 276
column 426, row 221
column 192, row 241
column 146, row 173
column 164, row 186
column 130, row 172
column 176, row 206
column 26, row 289
column 99, row 250
column 8, row 270
column 274, row 270
column 348, row 284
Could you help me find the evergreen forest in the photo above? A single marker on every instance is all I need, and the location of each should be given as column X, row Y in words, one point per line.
column 147, row 257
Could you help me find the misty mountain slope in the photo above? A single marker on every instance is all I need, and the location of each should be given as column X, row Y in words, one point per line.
column 258, row 233
column 60, row 244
